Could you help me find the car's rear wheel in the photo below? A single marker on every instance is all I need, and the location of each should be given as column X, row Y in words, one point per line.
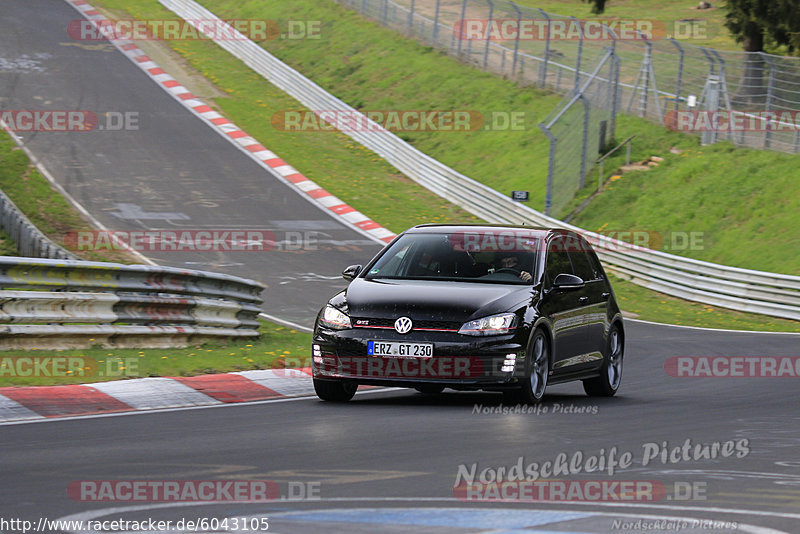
column 537, row 369
column 430, row 389
column 335, row 390
column 607, row 384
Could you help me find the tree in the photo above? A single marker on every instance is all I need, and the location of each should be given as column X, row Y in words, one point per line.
column 755, row 23
column 598, row 6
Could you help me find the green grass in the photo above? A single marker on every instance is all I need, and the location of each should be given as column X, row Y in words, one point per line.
column 42, row 205
column 375, row 69
column 7, row 245
column 278, row 347
column 668, row 12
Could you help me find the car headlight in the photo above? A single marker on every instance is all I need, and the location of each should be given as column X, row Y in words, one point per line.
column 489, row 326
column 333, row 318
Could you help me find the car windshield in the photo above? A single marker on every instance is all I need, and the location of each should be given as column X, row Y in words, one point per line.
column 485, row 256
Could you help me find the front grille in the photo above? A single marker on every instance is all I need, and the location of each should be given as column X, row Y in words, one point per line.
column 418, row 325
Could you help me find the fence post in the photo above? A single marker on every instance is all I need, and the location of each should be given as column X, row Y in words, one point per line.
column 461, row 26
column 613, row 76
column 411, row 16
column 680, row 71
column 551, row 167
column 385, row 16
column 770, row 94
column 436, row 23
column 723, row 92
column 712, row 106
column 516, row 40
column 578, row 59
column 586, row 111
column 488, row 34
column 543, row 65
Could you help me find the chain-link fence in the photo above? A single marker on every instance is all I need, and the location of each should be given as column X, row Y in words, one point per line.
column 749, row 98
column 578, row 129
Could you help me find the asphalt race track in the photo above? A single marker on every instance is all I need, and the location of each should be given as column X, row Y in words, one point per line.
column 388, row 461
column 173, row 172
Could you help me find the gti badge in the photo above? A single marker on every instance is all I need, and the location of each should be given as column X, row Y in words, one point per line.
column 403, row 325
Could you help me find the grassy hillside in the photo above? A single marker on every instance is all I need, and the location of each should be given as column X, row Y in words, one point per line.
column 375, row 69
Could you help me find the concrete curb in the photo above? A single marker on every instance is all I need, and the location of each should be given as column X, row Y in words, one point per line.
column 47, row 402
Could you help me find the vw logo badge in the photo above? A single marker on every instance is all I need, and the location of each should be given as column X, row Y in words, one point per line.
column 403, row 325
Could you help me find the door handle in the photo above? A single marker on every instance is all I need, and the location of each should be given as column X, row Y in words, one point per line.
column 605, row 296
column 583, row 300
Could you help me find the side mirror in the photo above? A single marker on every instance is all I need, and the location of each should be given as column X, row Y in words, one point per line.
column 351, row 272
column 566, row 282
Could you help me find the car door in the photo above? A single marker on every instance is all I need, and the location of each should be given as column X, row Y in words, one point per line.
column 593, row 300
column 565, row 308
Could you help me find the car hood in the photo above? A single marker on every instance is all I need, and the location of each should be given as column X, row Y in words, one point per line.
column 432, row 300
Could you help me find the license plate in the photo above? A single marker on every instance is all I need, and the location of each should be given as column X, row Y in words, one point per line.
column 393, row 348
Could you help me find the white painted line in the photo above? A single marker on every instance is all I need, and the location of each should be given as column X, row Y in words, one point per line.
column 285, row 322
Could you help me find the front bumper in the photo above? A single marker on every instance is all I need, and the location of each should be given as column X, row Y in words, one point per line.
column 458, row 361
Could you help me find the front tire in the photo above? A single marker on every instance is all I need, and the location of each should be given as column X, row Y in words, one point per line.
column 537, row 369
column 335, row 390
column 607, row 384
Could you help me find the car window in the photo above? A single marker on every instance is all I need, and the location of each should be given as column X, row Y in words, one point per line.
column 581, row 265
column 557, row 259
column 475, row 256
column 595, row 262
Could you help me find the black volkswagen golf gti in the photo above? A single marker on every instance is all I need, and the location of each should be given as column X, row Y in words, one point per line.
column 495, row 308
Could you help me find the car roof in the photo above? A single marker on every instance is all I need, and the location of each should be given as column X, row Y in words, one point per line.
column 437, row 228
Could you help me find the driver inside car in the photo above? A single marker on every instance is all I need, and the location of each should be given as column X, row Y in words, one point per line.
column 511, row 262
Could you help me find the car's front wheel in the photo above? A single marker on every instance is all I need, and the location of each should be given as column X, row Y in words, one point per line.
column 335, row 390
column 537, row 369
column 607, row 384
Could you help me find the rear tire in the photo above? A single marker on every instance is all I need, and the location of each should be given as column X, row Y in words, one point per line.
column 335, row 390
column 537, row 369
column 607, row 384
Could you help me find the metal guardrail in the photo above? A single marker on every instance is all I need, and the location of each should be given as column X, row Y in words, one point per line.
column 87, row 303
column 29, row 240
column 771, row 294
